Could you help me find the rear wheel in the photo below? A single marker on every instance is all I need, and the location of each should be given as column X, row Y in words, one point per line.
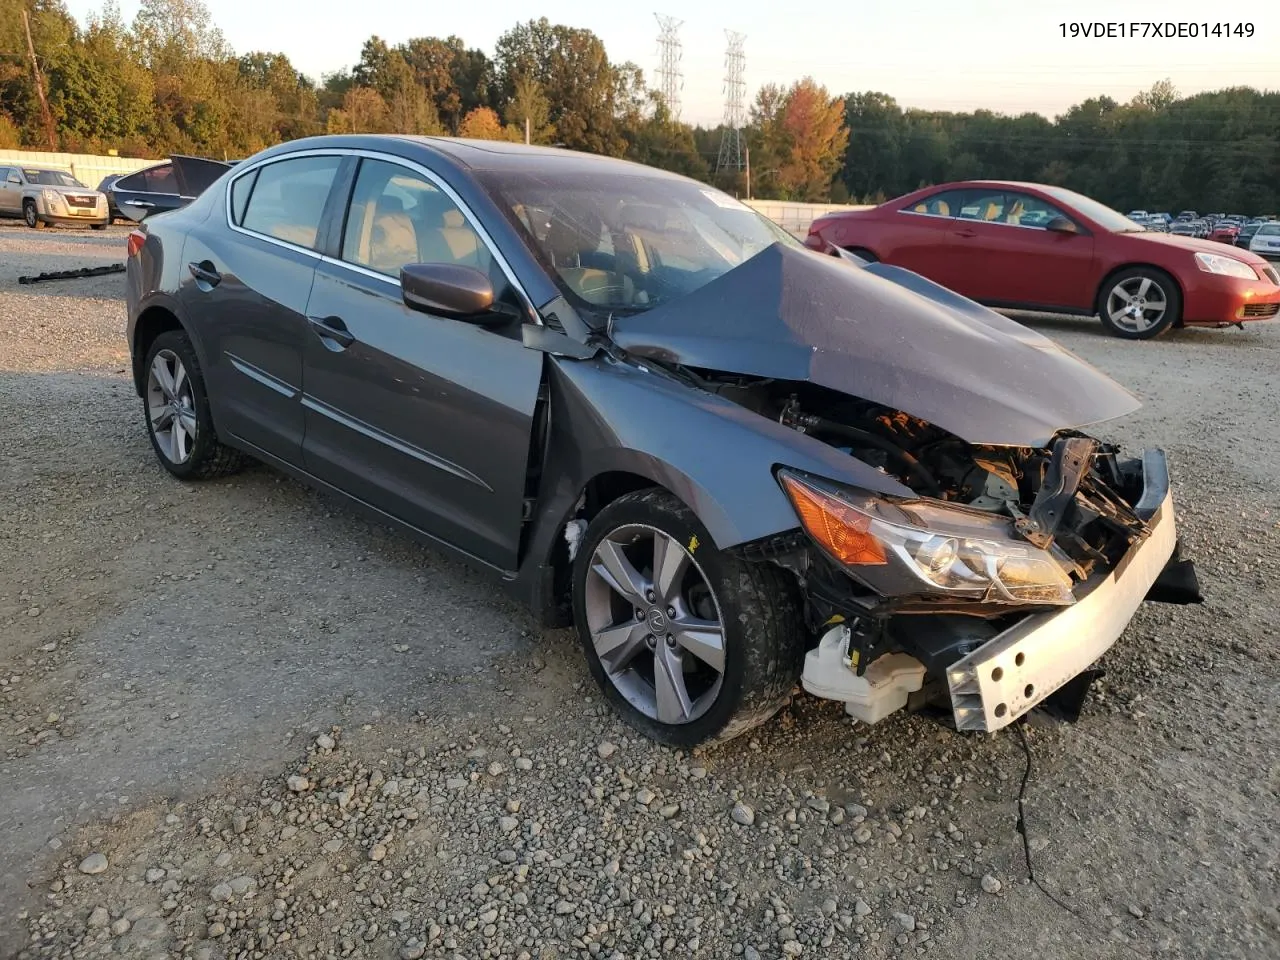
column 30, row 216
column 177, row 410
column 688, row 643
column 1139, row 303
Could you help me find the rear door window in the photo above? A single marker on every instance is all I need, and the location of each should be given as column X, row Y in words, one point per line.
column 288, row 200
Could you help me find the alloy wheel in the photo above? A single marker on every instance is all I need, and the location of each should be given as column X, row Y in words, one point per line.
column 1137, row 304
column 29, row 215
column 171, row 408
column 655, row 624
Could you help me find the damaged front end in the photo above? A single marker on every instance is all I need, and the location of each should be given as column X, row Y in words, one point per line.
column 1007, row 577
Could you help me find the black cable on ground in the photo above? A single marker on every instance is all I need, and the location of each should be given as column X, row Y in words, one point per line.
column 1026, row 841
column 1022, row 824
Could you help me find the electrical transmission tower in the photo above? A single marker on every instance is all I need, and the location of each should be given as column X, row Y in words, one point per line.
column 669, row 64
column 732, row 149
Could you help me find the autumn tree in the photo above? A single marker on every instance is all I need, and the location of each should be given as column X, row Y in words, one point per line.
column 481, row 124
column 816, row 137
column 363, row 111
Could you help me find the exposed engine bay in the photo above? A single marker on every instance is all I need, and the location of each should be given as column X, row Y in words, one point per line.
column 1075, row 494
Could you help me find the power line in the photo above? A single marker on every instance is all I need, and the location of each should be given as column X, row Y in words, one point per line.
column 670, row 79
column 732, row 154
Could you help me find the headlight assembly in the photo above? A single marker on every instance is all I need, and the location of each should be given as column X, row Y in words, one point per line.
column 923, row 547
column 1225, row 266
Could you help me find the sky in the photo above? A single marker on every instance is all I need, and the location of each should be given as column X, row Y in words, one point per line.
column 1010, row 57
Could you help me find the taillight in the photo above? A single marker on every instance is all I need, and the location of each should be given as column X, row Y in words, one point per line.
column 136, row 239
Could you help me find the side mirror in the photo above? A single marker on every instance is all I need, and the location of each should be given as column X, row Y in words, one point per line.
column 452, row 290
column 1061, row 224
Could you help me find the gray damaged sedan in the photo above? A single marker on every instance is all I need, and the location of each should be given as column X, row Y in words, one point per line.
column 730, row 462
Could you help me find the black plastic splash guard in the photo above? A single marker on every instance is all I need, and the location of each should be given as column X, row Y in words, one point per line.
column 74, row 274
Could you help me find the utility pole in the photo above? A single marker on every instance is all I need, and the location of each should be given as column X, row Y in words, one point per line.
column 746, row 151
column 50, row 131
column 526, row 130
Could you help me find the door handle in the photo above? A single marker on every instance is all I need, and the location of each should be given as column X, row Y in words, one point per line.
column 205, row 273
column 145, row 204
column 332, row 328
column 966, row 233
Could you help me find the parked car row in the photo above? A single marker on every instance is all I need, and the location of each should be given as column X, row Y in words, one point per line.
column 1038, row 247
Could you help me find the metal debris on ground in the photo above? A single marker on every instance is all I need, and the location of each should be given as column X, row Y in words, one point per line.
column 74, row 274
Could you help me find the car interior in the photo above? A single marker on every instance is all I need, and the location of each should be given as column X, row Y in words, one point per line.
column 400, row 219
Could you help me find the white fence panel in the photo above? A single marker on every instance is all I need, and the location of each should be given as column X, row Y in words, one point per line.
column 795, row 217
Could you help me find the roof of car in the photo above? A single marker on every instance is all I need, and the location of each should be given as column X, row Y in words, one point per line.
column 477, row 154
column 506, row 155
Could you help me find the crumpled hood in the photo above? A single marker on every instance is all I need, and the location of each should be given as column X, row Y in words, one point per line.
column 882, row 334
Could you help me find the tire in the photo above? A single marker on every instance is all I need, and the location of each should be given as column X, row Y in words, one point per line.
column 1128, row 301
column 30, row 216
column 203, row 457
column 762, row 637
column 863, row 253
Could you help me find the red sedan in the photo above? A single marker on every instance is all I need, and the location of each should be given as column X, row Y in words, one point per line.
column 1225, row 232
column 1037, row 247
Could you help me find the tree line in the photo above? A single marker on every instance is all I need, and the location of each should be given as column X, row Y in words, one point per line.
column 168, row 82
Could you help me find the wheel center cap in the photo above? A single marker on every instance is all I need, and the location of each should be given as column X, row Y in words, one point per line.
column 657, row 620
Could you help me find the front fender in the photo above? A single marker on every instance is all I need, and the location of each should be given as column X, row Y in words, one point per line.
column 715, row 455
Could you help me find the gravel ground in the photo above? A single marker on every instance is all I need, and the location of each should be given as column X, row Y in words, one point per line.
column 237, row 720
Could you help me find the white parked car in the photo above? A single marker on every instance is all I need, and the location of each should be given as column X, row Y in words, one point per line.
column 41, row 196
column 1266, row 242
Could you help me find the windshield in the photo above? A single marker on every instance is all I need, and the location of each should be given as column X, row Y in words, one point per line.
column 626, row 242
column 51, row 178
column 1099, row 213
column 1269, row 230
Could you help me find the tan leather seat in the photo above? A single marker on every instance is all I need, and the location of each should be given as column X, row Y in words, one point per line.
column 393, row 239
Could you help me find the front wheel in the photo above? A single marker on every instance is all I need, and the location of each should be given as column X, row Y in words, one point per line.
column 1139, row 303
column 690, row 644
column 30, row 217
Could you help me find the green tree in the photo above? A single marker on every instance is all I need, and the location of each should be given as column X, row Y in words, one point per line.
column 528, row 105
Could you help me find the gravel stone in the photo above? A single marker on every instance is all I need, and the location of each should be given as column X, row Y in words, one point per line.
column 606, row 750
column 990, row 884
column 298, row 783
column 98, row 917
column 94, row 863
column 742, row 814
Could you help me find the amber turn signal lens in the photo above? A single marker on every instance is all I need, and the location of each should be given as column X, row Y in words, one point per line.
column 838, row 528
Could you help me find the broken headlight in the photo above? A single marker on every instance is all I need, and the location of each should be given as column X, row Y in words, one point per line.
column 909, row 547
